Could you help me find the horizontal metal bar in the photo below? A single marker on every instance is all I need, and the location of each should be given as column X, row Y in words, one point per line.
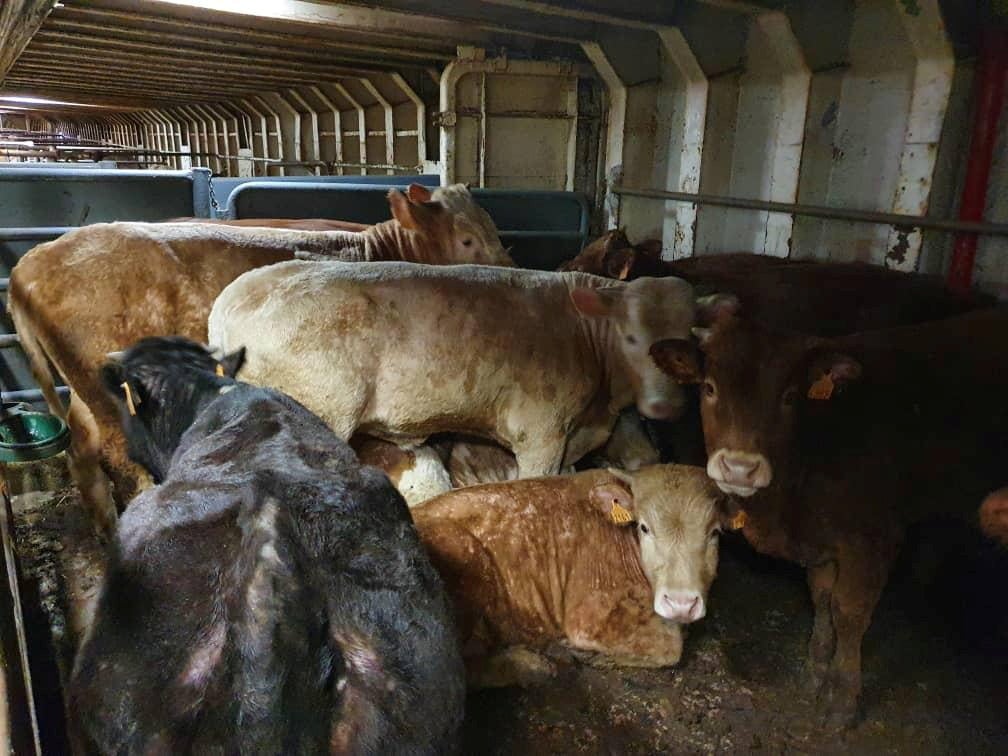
column 33, row 233
column 32, row 396
column 818, row 211
column 540, row 234
column 4, row 284
column 8, row 340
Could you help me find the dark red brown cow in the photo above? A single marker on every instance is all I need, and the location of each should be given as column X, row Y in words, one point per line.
column 822, row 298
column 994, row 515
column 833, row 447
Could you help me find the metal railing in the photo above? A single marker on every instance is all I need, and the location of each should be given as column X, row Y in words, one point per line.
column 820, row 211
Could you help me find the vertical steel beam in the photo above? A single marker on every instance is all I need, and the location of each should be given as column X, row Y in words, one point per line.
column 389, row 122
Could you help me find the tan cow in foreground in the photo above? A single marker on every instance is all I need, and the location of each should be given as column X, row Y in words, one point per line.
column 101, row 288
column 604, row 562
column 541, row 362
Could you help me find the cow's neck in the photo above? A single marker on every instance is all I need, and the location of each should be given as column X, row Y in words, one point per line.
column 773, row 513
column 602, row 342
column 390, row 241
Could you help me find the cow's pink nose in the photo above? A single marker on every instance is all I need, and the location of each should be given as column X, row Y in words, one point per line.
column 739, row 469
column 681, row 606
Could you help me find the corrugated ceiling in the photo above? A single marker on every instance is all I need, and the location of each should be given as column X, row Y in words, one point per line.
column 155, row 53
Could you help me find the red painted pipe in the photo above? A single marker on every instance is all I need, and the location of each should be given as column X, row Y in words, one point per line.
column 989, row 79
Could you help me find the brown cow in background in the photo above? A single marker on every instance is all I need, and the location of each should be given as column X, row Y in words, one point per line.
column 100, row 288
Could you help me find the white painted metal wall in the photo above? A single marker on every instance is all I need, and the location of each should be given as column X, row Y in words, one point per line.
column 845, row 104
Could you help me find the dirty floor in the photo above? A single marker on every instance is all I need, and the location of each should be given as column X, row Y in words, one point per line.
column 936, row 660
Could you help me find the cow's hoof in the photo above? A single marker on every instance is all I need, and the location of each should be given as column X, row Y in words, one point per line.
column 814, row 676
column 837, row 706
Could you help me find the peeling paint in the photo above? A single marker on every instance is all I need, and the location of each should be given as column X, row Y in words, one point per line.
column 898, row 253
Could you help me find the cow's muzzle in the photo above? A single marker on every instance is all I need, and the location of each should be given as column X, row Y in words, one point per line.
column 680, row 606
column 739, row 473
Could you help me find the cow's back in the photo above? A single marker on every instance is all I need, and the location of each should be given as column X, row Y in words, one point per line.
column 266, row 597
column 826, row 298
column 455, row 345
column 100, row 288
column 517, row 554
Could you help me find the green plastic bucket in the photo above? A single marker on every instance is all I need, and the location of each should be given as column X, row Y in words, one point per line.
column 27, row 436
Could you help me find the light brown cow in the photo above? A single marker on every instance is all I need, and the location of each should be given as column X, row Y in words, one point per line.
column 605, row 562
column 101, row 288
column 541, row 362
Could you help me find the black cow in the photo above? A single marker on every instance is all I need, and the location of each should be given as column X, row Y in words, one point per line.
column 270, row 595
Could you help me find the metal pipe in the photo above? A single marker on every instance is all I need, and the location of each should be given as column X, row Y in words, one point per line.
column 8, row 340
column 991, row 69
column 818, row 211
column 31, row 396
column 33, row 233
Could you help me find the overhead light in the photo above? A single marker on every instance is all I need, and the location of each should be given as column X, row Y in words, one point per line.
column 43, row 101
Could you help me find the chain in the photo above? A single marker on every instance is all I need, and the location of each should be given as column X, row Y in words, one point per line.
column 213, row 197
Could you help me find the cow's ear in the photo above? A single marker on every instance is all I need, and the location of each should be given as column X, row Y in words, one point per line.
column 112, row 378
column 650, row 248
column 830, row 370
column 596, row 303
column 678, row 358
column 716, row 307
column 418, row 193
column 415, row 216
column 615, row 240
column 615, row 501
column 120, row 387
column 232, row 363
column 619, row 263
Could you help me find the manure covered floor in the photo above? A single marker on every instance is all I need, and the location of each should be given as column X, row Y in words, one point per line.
column 936, row 660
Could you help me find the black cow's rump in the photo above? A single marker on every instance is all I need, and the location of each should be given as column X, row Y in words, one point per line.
column 270, row 596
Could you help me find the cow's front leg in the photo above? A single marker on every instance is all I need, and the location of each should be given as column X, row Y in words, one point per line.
column 515, row 665
column 623, row 629
column 543, row 457
column 822, row 644
column 861, row 575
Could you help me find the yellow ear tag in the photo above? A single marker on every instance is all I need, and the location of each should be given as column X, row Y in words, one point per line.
column 620, row 514
column 129, row 398
column 739, row 520
column 821, row 389
column 219, row 370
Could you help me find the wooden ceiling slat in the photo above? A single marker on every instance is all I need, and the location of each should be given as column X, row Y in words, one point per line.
column 100, row 46
column 19, row 21
column 224, row 35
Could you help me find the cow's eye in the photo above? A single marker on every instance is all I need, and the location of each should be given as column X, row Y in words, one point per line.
column 789, row 397
column 644, row 528
column 467, row 242
column 631, row 339
column 709, row 390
